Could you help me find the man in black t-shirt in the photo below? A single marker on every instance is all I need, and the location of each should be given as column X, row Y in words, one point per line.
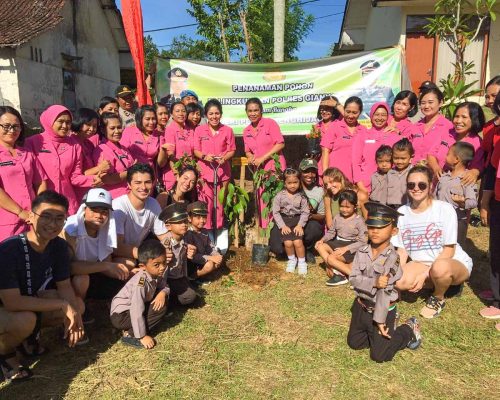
column 35, row 286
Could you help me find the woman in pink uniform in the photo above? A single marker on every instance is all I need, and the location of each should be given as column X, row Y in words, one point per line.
column 61, row 155
column 336, row 144
column 262, row 139
column 178, row 142
column 404, row 107
column 162, row 116
column 21, row 175
column 214, row 144
column 329, row 110
column 111, row 151
column 84, row 127
column 432, row 135
column 143, row 141
column 468, row 121
column 366, row 144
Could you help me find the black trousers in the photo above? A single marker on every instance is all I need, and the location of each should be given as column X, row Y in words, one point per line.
column 462, row 232
column 313, row 232
column 122, row 320
column 495, row 251
column 364, row 334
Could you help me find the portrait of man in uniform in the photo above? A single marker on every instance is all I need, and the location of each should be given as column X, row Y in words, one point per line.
column 178, row 78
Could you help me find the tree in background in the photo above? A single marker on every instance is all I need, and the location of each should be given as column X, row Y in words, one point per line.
column 458, row 23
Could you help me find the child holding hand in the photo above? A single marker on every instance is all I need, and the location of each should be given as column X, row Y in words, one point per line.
column 291, row 213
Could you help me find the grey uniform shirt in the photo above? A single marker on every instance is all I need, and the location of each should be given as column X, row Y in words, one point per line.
column 316, row 196
column 379, row 187
column 290, row 205
column 352, row 229
column 178, row 266
column 396, row 184
column 449, row 185
column 127, row 117
column 366, row 270
column 138, row 291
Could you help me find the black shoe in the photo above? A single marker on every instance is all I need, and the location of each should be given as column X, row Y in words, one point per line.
column 337, row 280
column 310, row 258
column 87, row 318
column 454, row 291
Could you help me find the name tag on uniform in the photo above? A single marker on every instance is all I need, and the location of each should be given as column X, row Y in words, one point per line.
column 122, row 156
column 370, row 141
column 6, row 163
column 419, row 135
column 445, row 143
column 138, row 142
column 45, row 151
column 346, row 137
column 205, row 138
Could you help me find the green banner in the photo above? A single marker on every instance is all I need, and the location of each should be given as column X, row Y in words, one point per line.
column 290, row 91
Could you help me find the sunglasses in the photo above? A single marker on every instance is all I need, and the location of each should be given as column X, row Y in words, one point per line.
column 413, row 185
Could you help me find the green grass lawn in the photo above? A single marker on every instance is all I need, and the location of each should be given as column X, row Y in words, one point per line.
column 262, row 334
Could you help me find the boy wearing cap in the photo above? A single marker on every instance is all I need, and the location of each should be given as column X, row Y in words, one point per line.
column 375, row 270
column 127, row 106
column 142, row 302
column 91, row 235
column 206, row 258
column 175, row 217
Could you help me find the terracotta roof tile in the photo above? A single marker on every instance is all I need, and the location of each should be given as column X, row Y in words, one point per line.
column 23, row 20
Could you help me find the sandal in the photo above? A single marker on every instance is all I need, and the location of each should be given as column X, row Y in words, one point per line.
column 11, row 374
column 34, row 344
column 132, row 341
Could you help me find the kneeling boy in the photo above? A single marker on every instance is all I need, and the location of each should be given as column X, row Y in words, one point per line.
column 375, row 270
column 142, row 302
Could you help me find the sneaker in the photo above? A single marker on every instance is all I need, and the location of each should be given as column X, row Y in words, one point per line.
column 87, row 318
column 415, row 343
column 490, row 312
column 302, row 269
column 310, row 259
column 486, row 295
column 433, row 307
column 290, row 266
column 337, row 280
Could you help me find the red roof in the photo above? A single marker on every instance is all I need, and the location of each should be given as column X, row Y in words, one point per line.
column 23, row 20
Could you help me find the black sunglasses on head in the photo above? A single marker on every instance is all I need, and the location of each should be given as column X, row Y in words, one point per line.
column 421, row 185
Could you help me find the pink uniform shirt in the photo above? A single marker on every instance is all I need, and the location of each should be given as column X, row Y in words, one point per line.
column 339, row 141
column 219, row 144
column 18, row 176
column 60, row 157
column 143, row 149
column 88, row 146
column 120, row 160
column 476, row 142
column 405, row 127
column 260, row 140
column 436, row 142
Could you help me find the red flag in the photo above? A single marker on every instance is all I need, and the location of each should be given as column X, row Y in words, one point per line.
column 132, row 22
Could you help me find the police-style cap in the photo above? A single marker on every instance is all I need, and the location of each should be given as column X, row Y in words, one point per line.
column 177, row 73
column 308, row 163
column 186, row 93
column 123, row 91
column 380, row 215
column 173, row 213
column 198, row 208
column 369, row 65
column 98, row 198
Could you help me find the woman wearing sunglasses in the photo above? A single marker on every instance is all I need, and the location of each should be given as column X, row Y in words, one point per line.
column 427, row 243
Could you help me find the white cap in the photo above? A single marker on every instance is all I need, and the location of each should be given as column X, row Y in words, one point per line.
column 98, row 197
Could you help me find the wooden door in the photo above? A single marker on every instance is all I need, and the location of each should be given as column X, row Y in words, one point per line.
column 420, row 56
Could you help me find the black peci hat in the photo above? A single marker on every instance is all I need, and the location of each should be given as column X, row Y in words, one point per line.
column 380, row 215
column 173, row 213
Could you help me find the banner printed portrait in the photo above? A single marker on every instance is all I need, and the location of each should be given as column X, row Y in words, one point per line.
column 290, row 92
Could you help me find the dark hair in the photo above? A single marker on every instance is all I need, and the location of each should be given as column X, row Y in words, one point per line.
column 291, row 172
column 464, row 151
column 434, row 90
column 476, row 115
column 82, row 116
column 354, row 99
column 383, row 150
column 139, row 168
column 175, row 103
column 13, row 111
column 335, row 112
column 188, row 168
column 149, row 250
column 213, row 103
column 193, row 107
column 50, row 197
column 496, row 105
column 192, row 195
column 139, row 115
column 103, row 122
column 159, row 104
column 349, row 196
column 254, row 100
column 412, row 98
column 107, row 100
column 404, row 145
column 493, row 81
column 421, row 169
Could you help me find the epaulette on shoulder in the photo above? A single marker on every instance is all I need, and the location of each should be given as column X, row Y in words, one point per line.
column 141, row 282
column 364, row 248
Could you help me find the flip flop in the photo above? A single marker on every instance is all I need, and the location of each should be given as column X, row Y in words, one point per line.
column 36, row 349
column 133, row 342
column 7, row 371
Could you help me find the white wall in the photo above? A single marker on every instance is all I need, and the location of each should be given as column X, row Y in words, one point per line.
column 9, row 92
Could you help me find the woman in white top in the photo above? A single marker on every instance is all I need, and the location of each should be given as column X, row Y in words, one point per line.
column 427, row 243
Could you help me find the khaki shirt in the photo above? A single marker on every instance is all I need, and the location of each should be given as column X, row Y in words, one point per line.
column 449, row 185
column 379, row 187
column 138, row 291
column 352, row 229
column 127, row 117
column 178, row 266
column 366, row 270
column 396, row 182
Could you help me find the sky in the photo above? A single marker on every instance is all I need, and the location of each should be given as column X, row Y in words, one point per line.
column 167, row 13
